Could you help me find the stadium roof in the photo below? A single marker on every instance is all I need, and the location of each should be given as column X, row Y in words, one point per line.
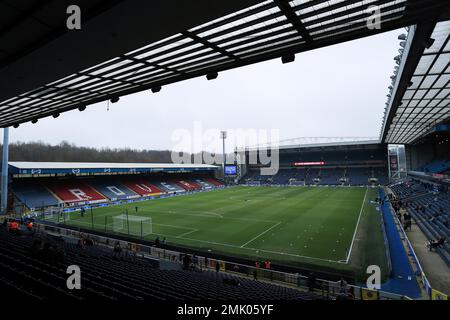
column 96, row 165
column 17, row 167
column 342, row 144
column 250, row 33
column 305, row 142
column 420, row 97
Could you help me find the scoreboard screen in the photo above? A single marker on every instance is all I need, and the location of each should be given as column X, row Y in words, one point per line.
column 230, row 170
column 311, row 163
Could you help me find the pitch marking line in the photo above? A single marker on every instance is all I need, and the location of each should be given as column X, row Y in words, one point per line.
column 262, row 233
column 206, row 214
column 261, row 250
column 172, row 226
column 356, row 228
column 187, row 233
column 183, row 236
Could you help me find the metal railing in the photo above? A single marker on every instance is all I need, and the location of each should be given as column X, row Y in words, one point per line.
column 322, row 287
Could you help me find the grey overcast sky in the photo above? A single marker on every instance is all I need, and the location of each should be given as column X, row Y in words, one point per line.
column 337, row 91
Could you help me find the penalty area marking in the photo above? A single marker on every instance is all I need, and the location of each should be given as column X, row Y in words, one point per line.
column 187, row 233
column 262, row 233
column 101, row 226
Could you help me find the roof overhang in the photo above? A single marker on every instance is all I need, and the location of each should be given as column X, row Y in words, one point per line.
column 42, row 50
column 134, row 46
column 420, row 98
column 43, row 168
column 347, row 145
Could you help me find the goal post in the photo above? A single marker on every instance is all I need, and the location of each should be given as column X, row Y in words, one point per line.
column 132, row 225
column 53, row 213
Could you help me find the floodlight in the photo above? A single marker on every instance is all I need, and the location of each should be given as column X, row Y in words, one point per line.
column 288, row 58
column 212, row 76
column 156, row 89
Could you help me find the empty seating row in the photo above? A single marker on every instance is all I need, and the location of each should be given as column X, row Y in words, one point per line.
column 430, row 209
column 320, row 176
column 24, row 271
column 437, row 166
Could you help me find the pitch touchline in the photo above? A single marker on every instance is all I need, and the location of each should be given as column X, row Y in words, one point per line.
column 356, row 228
column 259, row 235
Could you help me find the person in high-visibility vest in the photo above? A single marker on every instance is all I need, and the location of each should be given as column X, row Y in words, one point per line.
column 14, row 227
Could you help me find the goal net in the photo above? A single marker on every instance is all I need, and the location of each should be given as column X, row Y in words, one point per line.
column 54, row 213
column 132, row 225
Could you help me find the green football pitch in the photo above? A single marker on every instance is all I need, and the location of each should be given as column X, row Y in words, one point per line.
column 314, row 225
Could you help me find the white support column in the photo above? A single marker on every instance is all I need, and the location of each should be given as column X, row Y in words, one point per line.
column 4, row 184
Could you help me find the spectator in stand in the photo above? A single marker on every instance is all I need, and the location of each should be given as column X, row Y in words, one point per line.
column 433, row 244
column 88, row 241
column 186, row 261
column 117, row 251
column 407, row 225
column 343, row 286
column 157, row 241
column 80, row 243
column 255, row 274
column 217, row 266
column 14, row 227
column 29, row 225
column 311, row 282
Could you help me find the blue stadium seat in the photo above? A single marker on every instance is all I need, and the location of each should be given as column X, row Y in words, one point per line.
column 34, row 195
column 114, row 190
column 106, row 276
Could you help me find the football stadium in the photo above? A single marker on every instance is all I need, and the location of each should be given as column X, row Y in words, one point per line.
column 339, row 219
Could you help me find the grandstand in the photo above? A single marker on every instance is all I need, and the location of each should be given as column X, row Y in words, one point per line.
column 352, row 164
column 164, row 231
column 36, row 187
